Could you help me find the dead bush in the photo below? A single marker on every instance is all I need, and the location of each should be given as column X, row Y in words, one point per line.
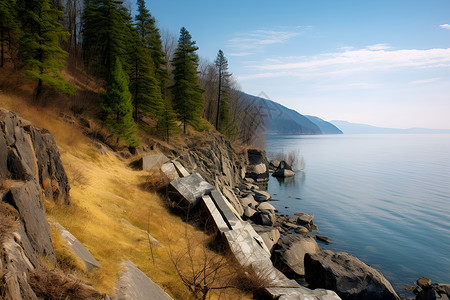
column 55, row 285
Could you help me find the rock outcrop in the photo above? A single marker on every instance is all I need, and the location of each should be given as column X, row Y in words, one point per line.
column 30, row 168
column 349, row 277
column 30, row 154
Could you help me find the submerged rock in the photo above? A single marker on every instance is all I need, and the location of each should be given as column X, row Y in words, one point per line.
column 283, row 171
column 349, row 277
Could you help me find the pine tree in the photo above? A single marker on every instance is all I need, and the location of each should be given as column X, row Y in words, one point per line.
column 8, row 25
column 143, row 84
column 150, row 35
column 39, row 50
column 117, row 106
column 167, row 125
column 106, row 35
column 223, row 97
column 187, row 93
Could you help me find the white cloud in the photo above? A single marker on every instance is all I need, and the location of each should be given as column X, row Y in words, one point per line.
column 258, row 39
column 445, row 26
column 378, row 47
column 359, row 60
column 424, row 81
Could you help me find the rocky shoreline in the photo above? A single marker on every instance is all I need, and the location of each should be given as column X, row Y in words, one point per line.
column 293, row 248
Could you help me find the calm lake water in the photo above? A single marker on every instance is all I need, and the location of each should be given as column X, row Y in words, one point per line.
column 383, row 198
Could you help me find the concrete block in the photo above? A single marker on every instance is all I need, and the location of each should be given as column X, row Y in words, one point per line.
column 150, row 162
column 191, row 188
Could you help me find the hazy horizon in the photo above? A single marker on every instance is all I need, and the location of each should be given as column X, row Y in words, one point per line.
column 383, row 63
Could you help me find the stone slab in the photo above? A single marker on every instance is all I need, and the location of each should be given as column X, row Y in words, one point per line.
column 170, row 171
column 225, row 210
column 250, row 251
column 192, row 188
column 133, row 284
column 214, row 213
column 82, row 252
column 182, row 172
column 150, row 162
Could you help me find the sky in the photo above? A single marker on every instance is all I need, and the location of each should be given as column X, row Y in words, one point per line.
column 383, row 63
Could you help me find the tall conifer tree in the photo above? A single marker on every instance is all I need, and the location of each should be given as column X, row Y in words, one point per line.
column 39, row 49
column 187, row 93
column 106, row 35
column 117, row 106
column 8, row 24
column 223, row 97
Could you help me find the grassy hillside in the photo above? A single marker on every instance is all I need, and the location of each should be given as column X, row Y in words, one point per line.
column 111, row 209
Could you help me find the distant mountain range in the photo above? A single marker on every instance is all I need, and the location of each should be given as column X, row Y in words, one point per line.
column 282, row 120
column 355, row 128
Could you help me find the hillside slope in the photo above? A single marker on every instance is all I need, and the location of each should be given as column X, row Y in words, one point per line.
column 280, row 119
column 325, row 127
column 113, row 205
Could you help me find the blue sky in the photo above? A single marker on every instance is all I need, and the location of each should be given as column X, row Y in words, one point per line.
column 384, row 63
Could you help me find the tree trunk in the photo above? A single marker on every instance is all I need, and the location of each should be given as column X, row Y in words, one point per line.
column 218, row 97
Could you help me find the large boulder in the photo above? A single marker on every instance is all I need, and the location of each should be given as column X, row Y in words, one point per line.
column 349, row 277
column 257, row 168
column 292, row 251
column 283, row 170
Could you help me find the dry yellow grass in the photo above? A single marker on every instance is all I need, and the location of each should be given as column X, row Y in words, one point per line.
column 105, row 192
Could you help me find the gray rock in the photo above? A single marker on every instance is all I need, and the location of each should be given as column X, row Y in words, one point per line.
column 349, row 277
column 191, row 189
column 50, row 167
column 18, row 266
column 283, row 170
column 304, row 219
column 249, row 211
column 261, row 196
column 266, row 206
column 26, row 197
column 248, row 201
column 264, row 218
column 257, row 168
column 133, row 284
column 293, row 249
column 27, row 153
column 301, row 230
column 270, row 235
column 322, row 238
column 80, row 251
column 153, row 161
column 229, row 194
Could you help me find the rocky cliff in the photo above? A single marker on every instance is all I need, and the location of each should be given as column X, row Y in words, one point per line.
column 30, row 169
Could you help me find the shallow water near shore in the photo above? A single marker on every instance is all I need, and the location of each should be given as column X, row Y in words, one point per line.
column 382, row 198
